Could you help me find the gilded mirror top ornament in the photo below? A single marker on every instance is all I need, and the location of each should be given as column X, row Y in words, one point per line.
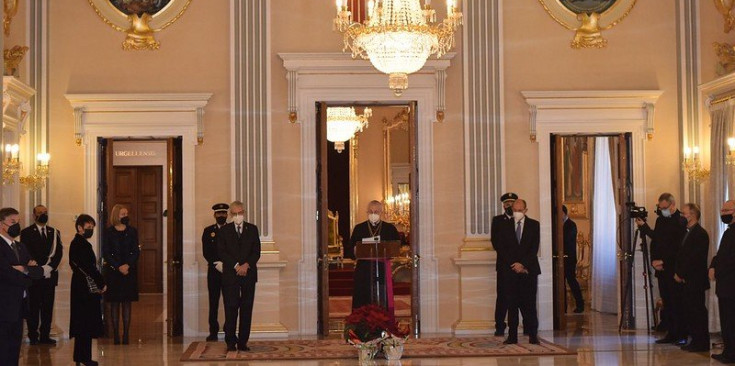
column 10, row 9
column 588, row 18
column 140, row 19
column 725, row 8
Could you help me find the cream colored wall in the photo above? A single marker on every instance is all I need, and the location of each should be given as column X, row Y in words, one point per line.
column 86, row 57
column 370, row 172
column 194, row 57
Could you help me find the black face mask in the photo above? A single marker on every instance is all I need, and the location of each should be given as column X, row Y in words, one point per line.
column 88, row 233
column 509, row 211
column 221, row 220
column 42, row 219
column 125, row 220
column 14, row 230
column 726, row 219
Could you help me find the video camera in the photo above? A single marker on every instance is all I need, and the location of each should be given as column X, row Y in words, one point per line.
column 637, row 212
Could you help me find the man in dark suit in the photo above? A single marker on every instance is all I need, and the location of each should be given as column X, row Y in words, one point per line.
column 238, row 247
column 214, row 267
column 690, row 274
column 570, row 260
column 17, row 269
column 666, row 238
column 519, row 245
column 506, row 218
column 722, row 270
column 44, row 245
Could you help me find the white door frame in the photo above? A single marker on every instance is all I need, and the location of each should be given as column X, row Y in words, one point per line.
column 144, row 116
column 586, row 112
column 336, row 77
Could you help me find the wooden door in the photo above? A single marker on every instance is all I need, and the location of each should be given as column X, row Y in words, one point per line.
column 174, row 234
column 322, row 218
column 622, row 184
column 140, row 189
column 557, row 228
column 414, row 211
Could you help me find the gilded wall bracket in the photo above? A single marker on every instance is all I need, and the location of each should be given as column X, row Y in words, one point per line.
column 725, row 8
column 139, row 19
column 588, row 19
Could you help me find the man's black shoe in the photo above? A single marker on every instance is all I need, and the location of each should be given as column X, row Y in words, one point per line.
column 499, row 333
column 33, row 341
column 511, row 340
column 243, row 347
column 48, row 341
column 533, row 339
column 212, row 338
column 578, row 310
column 231, row 347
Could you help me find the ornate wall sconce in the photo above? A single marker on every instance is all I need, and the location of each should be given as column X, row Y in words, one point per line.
column 398, row 210
column 692, row 165
column 37, row 181
column 11, row 164
column 730, row 158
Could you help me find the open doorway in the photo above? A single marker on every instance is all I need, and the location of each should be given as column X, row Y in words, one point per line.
column 145, row 175
column 378, row 163
column 591, row 180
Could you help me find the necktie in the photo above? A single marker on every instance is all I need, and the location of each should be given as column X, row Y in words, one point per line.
column 43, row 234
column 239, row 230
column 14, row 245
column 519, row 231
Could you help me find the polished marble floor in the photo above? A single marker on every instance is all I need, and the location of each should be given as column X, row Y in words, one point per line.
column 593, row 335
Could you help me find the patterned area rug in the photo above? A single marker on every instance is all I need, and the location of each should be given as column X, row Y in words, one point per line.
column 338, row 349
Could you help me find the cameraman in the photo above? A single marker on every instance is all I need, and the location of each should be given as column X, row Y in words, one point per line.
column 665, row 241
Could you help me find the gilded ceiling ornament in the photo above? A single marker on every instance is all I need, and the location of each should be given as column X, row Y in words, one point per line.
column 10, row 8
column 588, row 18
column 12, row 58
column 140, row 19
column 725, row 8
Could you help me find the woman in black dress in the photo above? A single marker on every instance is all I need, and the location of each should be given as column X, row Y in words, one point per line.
column 86, row 311
column 120, row 251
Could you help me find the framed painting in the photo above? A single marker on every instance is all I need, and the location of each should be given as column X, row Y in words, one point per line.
column 140, row 19
column 575, row 178
column 588, row 18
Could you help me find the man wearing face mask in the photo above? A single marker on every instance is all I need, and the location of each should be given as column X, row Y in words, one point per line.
column 690, row 274
column 665, row 242
column 214, row 267
column 238, row 247
column 17, row 270
column 366, row 271
column 519, row 246
column 44, row 245
column 722, row 270
column 505, row 218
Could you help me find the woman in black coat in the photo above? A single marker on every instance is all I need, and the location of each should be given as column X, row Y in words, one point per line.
column 120, row 251
column 86, row 311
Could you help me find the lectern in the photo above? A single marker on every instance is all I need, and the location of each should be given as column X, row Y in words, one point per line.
column 378, row 255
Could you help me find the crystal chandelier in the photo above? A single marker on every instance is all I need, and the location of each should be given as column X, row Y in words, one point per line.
column 343, row 123
column 398, row 36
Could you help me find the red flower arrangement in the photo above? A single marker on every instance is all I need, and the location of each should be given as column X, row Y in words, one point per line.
column 371, row 322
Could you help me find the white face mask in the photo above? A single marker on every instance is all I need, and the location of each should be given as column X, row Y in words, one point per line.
column 238, row 219
column 518, row 216
column 374, row 218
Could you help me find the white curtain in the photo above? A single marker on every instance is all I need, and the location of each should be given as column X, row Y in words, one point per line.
column 721, row 180
column 604, row 237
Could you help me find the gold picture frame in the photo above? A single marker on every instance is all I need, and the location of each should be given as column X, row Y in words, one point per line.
column 575, row 180
column 588, row 26
column 140, row 28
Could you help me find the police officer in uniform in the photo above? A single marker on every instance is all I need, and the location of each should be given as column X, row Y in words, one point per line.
column 44, row 245
column 501, row 308
column 214, row 267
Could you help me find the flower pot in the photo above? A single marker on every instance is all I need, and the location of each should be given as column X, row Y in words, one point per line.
column 366, row 352
column 393, row 352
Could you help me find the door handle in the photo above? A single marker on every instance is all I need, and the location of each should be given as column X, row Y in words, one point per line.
column 175, row 263
column 416, row 259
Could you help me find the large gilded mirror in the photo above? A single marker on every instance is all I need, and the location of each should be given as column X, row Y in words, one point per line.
column 588, row 18
column 140, row 19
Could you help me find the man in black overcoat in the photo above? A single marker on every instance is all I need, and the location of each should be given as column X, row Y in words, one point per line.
column 44, row 245
column 505, row 218
column 722, row 270
column 17, row 270
column 238, row 247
